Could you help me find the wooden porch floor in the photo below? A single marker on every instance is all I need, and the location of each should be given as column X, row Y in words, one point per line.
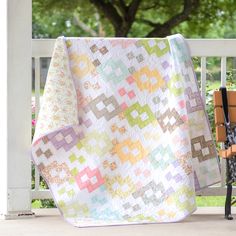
column 205, row 221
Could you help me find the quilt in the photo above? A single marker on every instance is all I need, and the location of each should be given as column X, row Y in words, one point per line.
column 122, row 136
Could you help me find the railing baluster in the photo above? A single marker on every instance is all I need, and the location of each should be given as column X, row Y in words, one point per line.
column 37, row 107
column 223, row 84
column 203, row 79
column 223, row 71
column 37, row 86
column 37, row 179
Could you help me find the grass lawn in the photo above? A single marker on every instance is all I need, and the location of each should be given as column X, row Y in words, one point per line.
column 210, row 201
column 42, row 204
column 36, row 204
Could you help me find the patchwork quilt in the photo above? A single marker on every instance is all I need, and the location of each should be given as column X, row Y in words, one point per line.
column 122, row 136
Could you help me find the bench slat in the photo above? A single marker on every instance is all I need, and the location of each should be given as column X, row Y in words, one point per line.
column 220, row 134
column 231, row 95
column 228, row 153
column 219, row 115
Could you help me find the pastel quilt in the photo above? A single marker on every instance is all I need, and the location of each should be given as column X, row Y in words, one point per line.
column 122, row 136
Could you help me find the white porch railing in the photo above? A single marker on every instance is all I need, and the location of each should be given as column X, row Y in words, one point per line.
column 203, row 48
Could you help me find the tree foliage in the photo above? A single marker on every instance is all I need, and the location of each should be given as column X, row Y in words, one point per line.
column 132, row 18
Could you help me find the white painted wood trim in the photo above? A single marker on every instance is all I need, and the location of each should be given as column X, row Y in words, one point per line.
column 37, row 86
column 15, row 119
column 42, row 47
column 198, row 47
column 223, row 71
column 37, row 107
column 223, row 84
column 212, row 47
column 214, row 191
column 41, row 194
column 3, row 108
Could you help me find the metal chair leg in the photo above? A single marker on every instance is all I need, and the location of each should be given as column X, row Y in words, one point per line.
column 228, row 215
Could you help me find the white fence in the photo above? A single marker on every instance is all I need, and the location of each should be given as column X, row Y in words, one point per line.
column 203, row 48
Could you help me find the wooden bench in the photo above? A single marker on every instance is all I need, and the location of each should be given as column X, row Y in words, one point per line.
column 221, row 136
column 219, row 120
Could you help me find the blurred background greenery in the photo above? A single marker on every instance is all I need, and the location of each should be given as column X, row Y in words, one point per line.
column 142, row 18
column 134, row 18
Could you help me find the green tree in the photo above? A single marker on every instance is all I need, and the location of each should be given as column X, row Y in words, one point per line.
column 131, row 18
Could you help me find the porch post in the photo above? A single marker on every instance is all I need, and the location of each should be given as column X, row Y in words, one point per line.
column 15, row 108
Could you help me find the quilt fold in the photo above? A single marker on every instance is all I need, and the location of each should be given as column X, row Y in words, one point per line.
column 122, row 136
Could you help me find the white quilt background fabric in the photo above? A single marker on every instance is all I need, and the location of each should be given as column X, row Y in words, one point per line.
column 122, row 136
